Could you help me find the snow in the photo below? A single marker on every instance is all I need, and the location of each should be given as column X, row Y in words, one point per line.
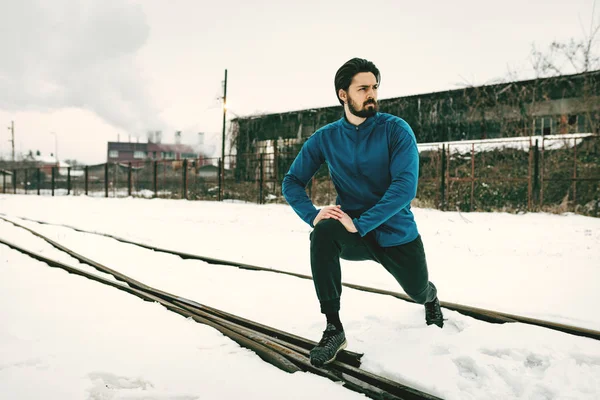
column 550, row 142
column 86, row 340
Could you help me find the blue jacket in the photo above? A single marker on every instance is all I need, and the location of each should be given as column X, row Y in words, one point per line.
column 374, row 168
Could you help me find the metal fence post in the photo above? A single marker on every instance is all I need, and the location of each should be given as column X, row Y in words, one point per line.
column 543, row 167
column 472, row 174
column 597, row 202
column 220, row 196
column 39, row 180
column 53, row 179
column 536, row 172
column 276, row 169
column 447, row 191
column 529, row 175
column 68, row 181
column 442, row 204
column 86, row 179
column 106, row 180
column 155, row 179
column 129, row 179
column 574, row 174
column 261, row 179
column 185, row 188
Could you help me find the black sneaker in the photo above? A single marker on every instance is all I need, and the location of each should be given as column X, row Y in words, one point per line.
column 433, row 313
column 331, row 344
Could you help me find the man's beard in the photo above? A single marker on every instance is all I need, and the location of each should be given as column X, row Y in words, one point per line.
column 364, row 112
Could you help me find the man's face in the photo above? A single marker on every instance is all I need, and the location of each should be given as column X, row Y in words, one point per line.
column 362, row 95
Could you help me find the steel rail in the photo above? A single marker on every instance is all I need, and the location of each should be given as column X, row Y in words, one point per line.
column 474, row 312
column 285, row 355
column 346, row 356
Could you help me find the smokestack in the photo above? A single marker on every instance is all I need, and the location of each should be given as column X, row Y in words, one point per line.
column 177, row 137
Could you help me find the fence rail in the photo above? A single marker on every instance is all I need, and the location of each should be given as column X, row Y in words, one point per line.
column 545, row 173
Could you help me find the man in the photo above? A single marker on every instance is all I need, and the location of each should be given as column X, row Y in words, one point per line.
column 373, row 162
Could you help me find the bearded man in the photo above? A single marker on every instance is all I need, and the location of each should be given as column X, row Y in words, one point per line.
column 374, row 165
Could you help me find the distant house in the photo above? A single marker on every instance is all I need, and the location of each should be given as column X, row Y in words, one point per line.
column 46, row 163
column 123, row 152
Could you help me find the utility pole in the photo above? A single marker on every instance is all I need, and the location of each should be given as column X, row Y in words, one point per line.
column 12, row 140
column 223, row 136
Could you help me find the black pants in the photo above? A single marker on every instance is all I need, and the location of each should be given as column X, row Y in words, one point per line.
column 330, row 241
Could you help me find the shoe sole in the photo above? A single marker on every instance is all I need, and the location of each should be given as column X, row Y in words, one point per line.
column 342, row 347
column 436, row 322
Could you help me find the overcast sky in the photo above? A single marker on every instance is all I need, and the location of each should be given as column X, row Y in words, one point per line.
column 91, row 71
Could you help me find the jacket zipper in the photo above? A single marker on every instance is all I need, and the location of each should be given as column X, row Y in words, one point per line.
column 357, row 142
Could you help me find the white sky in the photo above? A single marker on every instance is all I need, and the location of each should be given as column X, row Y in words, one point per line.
column 90, row 71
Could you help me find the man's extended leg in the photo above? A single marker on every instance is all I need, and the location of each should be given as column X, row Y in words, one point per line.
column 407, row 263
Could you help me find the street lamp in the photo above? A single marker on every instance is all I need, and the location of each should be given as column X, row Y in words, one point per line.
column 55, row 147
column 222, row 172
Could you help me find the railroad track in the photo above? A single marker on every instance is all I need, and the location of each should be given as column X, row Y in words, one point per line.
column 475, row 312
column 284, row 350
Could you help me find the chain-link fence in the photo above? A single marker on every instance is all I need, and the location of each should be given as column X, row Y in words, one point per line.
column 550, row 173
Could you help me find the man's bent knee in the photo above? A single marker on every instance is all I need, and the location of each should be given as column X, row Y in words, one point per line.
column 326, row 228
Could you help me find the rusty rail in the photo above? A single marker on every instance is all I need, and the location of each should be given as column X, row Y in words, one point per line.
column 475, row 312
column 272, row 345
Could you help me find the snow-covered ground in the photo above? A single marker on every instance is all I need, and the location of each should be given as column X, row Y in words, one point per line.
column 549, row 142
column 65, row 337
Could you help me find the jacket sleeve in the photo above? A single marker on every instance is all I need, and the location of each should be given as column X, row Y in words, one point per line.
column 404, row 169
column 306, row 164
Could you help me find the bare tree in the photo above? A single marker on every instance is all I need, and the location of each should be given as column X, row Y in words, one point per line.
column 579, row 56
column 573, row 56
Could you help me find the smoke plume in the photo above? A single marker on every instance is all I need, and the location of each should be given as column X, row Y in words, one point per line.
column 76, row 53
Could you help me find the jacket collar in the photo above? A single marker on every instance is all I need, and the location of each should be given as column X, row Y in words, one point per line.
column 367, row 125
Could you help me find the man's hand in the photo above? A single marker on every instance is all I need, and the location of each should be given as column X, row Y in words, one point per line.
column 348, row 223
column 327, row 212
column 336, row 212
